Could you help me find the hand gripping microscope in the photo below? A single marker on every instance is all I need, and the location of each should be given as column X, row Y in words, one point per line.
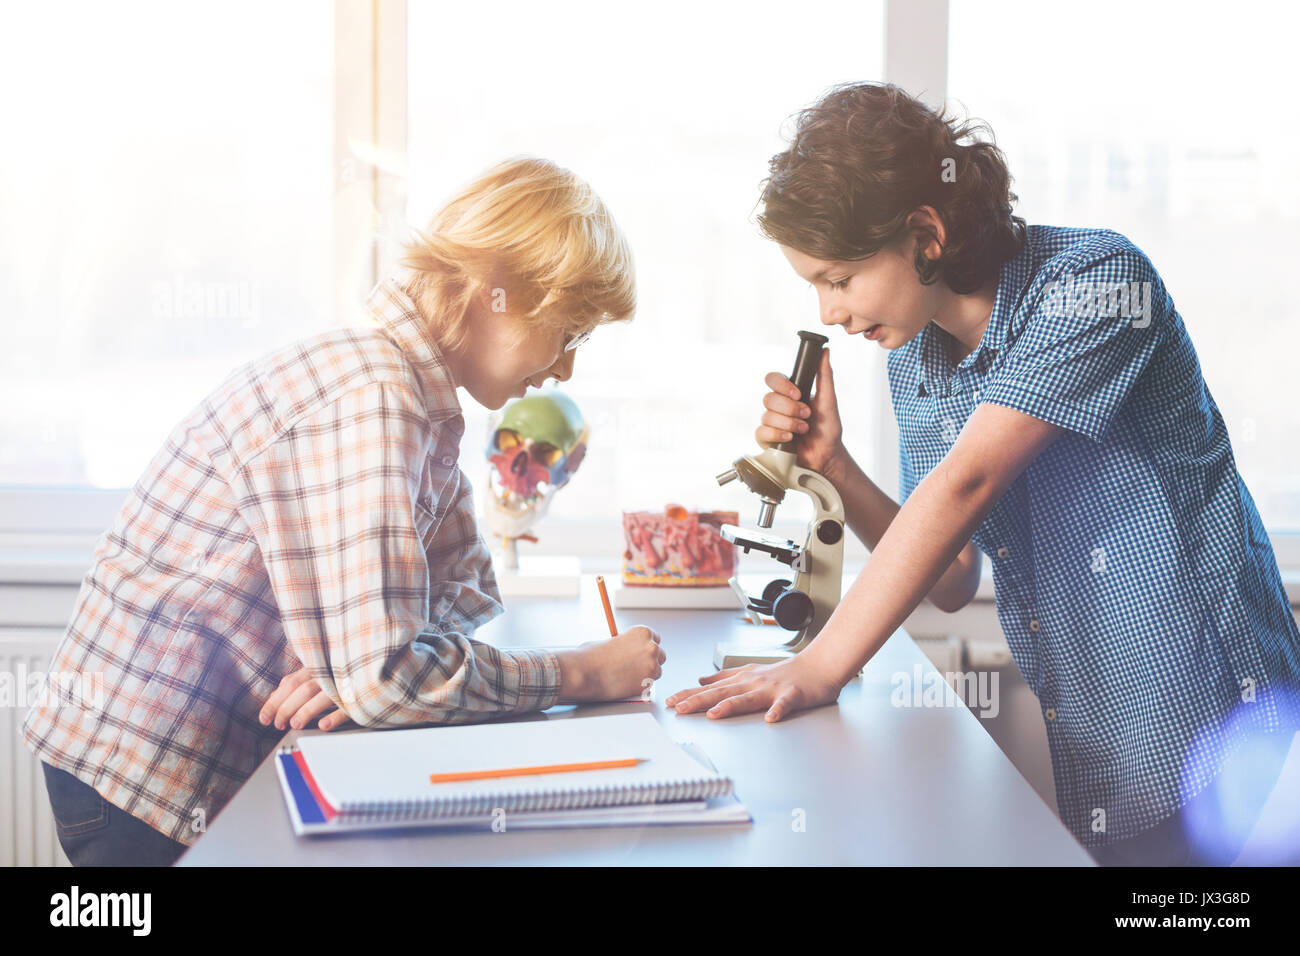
column 804, row 604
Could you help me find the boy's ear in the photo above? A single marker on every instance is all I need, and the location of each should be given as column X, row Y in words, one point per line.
column 929, row 231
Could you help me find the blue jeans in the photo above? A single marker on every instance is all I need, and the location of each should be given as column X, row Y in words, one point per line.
column 1181, row 840
column 93, row 832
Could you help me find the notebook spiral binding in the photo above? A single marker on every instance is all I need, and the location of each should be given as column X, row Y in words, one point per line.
column 573, row 799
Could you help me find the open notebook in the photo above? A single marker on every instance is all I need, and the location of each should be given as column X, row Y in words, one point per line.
column 372, row 780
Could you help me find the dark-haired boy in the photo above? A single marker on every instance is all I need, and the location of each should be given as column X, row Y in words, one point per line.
column 1051, row 414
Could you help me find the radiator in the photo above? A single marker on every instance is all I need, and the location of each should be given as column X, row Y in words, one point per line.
column 27, row 833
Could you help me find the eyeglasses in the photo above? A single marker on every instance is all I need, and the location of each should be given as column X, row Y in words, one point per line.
column 578, row 340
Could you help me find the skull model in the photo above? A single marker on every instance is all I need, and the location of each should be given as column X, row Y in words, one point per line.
column 534, row 451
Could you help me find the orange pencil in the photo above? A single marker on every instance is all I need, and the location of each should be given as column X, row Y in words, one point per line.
column 532, row 771
column 609, row 611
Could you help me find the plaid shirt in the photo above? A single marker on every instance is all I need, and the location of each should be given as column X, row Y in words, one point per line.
column 1135, row 584
column 309, row 510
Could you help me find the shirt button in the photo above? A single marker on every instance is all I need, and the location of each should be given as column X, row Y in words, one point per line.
column 975, row 394
column 1003, row 552
column 197, row 563
column 448, row 460
column 1033, row 625
column 1050, row 713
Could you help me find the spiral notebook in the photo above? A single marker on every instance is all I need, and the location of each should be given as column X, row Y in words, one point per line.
column 372, row 780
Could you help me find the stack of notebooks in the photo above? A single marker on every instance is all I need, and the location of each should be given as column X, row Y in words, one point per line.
column 400, row 778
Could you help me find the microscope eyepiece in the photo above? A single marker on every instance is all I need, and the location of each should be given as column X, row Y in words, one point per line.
column 806, row 362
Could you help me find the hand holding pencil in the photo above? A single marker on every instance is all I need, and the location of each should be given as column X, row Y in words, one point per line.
column 620, row 668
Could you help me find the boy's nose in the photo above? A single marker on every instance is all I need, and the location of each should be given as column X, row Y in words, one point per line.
column 834, row 315
column 831, row 312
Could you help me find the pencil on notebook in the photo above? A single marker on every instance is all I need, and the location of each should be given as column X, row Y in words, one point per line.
column 533, row 771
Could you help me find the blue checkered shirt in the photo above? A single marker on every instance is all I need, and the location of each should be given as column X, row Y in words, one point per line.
column 1134, row 582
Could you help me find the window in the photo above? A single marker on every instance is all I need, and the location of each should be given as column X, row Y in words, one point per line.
column 167, row 216
column 172, row 204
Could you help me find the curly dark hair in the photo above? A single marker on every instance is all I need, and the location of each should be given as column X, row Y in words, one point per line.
column 864, row 158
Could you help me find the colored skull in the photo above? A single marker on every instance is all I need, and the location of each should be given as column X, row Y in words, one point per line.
column 534, row 451
column 541, row 440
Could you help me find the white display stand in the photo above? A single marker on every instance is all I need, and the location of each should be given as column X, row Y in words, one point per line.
column 539, row 576
column 712, row 598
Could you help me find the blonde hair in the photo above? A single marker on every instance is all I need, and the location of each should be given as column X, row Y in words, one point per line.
column 539, row 234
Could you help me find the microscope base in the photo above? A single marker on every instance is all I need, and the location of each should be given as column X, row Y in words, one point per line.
column 739, row 653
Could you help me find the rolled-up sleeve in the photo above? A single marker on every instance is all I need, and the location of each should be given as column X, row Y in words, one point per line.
column 383, row 624
column 1089, row 339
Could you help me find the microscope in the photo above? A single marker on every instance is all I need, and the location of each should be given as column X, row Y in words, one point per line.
column 804, row 604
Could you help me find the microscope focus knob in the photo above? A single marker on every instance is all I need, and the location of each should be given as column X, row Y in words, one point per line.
column 773, row 588
column 829, row 531
column 793, row 610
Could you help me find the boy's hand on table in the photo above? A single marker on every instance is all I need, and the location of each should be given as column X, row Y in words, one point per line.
column 615, row 669
column 298, row 701
column 781, row 689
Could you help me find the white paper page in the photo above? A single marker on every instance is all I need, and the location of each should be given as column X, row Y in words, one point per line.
column 394, row 766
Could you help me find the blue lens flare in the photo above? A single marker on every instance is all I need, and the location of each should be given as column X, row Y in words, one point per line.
column 1219, row 820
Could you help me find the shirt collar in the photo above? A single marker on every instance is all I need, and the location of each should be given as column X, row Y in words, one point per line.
column 934, row 366
column 391, row 309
